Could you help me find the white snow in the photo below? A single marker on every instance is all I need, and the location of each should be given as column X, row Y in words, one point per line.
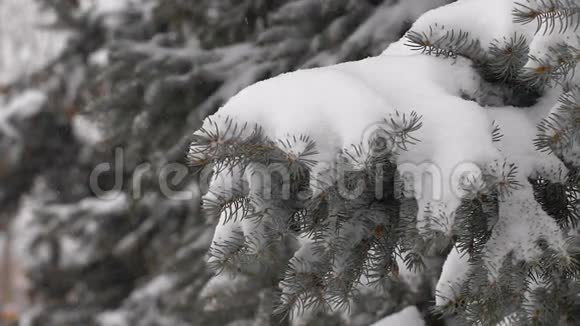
column 118, row 204
column 409, row 316
column 220, row 286
column 154, row 288
column 522, row 222
column 104, row 6
column 26, row 226
column 20, row 107
column 363, row 93
column 25, row 45
column 113, row 318
column 73, row 252
column 86, row 130
column 37, row 213
column 100, row 58
column 337, row 105
column 112, row 11
column 454, row 273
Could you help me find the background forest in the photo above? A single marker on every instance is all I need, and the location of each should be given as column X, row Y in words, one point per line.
column 81, row 78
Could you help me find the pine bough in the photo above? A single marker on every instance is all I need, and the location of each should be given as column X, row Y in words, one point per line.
column 318, row 177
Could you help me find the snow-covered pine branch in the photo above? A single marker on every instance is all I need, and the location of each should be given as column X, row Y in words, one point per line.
column 501, row 207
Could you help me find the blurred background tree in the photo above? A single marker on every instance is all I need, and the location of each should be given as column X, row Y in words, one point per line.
column 132, row 82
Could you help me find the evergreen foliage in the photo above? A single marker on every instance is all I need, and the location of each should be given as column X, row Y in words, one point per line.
column 341, row 244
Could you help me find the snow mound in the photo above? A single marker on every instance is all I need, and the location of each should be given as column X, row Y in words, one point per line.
column 454, row 273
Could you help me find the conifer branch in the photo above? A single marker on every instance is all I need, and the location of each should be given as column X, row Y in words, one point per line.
column 231, row 205
column 558, row 66
column 559, row 200
column 401, row 127
column 507, row 58
column 549, row 15
column 496, row 134
column 228, row 254
column 227, row 144
column 297, row 154
column 440, row 42
column 554, row 134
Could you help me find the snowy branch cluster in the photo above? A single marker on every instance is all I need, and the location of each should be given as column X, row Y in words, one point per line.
column 490, row 178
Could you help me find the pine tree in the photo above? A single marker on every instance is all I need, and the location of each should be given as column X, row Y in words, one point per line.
column 507, row 223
